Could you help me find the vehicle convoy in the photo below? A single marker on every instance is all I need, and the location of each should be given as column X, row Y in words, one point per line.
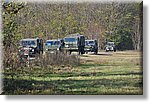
column 74, row 43
column 54, row 45
column 110, row 46
column 30, row 47
column 91, row 46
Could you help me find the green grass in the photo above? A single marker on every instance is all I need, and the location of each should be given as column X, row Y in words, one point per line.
column 122, row 75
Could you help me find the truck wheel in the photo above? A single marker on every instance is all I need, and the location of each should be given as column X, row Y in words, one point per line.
column 79, row 52
column 95, row 52
column 82, row 52
column 70, row 52
column 86, row 52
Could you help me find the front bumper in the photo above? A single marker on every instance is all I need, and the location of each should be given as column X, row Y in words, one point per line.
column 110, row 49
column 71, row 49
column 27, row 52
column 91, row 49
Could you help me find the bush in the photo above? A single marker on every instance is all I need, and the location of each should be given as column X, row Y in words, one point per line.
column 56, row 59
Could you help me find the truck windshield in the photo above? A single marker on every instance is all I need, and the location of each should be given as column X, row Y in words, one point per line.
column 70, row 40
column 56, row 42
column 110, row 44
column 52, row 42
column 89, row 42
column 28, row 43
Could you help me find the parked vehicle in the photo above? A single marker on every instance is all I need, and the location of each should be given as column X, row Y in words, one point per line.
column 74, row 43
column 110, row 46
column 30, row 47
column 54, row 45
column 91, row 46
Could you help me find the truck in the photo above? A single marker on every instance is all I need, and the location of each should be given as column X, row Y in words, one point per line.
column 74, row 43
column 30, row 47
column 91, row 46
column 54, row 45
column 110, row 46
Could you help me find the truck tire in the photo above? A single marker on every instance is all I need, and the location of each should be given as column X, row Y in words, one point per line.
column 96, row 52
column 114, row 49
column 86, row 52
column 70, row 52
column 82, row 52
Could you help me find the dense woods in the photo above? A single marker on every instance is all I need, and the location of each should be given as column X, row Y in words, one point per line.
column 113, row 21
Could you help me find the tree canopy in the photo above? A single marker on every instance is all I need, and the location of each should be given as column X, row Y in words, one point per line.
column 114, row 21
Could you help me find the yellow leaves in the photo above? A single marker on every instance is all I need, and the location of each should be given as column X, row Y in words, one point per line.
column 12, row 7
column 69, row 18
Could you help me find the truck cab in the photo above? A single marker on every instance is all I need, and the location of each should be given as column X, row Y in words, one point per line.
column 91, row 46
column 30, row 46
column 74, row 43
column 110, row 46
column 54, row 45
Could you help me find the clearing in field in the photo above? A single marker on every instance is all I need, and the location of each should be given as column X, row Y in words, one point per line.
column 103, row 74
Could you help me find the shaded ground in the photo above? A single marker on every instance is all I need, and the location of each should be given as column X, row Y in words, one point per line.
column 105, row 73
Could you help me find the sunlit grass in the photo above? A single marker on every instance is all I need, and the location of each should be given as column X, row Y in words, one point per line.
column 111, row 75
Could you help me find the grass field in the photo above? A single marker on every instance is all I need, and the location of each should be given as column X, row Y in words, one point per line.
column 103, row 74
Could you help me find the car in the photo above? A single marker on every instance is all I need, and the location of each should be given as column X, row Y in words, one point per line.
column 91, row 46
column 110, row 46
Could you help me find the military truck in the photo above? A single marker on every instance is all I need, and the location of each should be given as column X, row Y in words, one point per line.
column 74, row 43
column 110, row 46
column 54, row 45
column 91, row 46
column 30, row 47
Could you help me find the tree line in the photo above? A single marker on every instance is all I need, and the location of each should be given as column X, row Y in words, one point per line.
column 113, row 21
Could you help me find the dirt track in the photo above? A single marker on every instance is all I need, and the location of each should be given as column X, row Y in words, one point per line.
column 107, row 57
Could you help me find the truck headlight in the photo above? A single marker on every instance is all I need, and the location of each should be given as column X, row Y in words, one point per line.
column 32, row 50
column 57, row 49
column 66, row 45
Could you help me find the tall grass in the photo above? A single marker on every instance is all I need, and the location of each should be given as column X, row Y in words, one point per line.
column 56, row 59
